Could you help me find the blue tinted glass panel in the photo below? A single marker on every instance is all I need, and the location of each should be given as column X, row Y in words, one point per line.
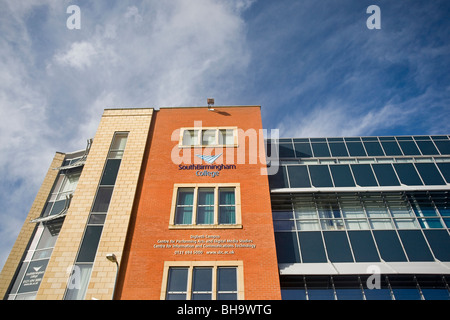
column 298, row 177
column 320, row 150
column 391, row 148
column 349, row 294
column 377, row 294
column 102, row 199
column 445, row 169
column 436, row 294
column 279, row 180
column 337, row 246
column 293, row 294
column 385, row 175
column 286, row 150
column 342, row 176
column 443, row 146
column 408, row 174
column 439, row 241
column 321, row 294
column 427, row 148
column 389, row 245
column 363, row 246
column 415, row 245
column 303, row 150
column 373, row 149
column 409, row 148
column 320, row 176
column 363, row 175
column 430, row 174
column 338, row 149
column 177, row 279
column 311, row 247
column 356, row 149
column 406, row 294
column 287, row 247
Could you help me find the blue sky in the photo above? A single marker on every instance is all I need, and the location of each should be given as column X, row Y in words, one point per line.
column 313, row 66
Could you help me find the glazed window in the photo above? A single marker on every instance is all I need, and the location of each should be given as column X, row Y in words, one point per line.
column 206, row 206
column 208, row 137
column 202, row 280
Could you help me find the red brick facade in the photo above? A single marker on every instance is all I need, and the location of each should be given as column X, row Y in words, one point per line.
column 146, row 251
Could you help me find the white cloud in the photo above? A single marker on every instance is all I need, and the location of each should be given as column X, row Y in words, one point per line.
column 80, row 55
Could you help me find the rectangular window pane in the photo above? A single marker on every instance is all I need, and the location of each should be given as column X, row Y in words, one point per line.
column 287, row 247
column 320, row 150
column 227, row 215
column 356, row 149
column 439, row 241
column 303, row 150
column 408, row 174
column 409, row 148
column 342, row 176
column 385, row 175
column 415, row 245
column 119, row 142
column 279, row 180
column 226, row 137
column 391, row 148
column 190, row 137
column 373, row 149
column 427, row 148
column 381, row 224
column 320, row 176
column 363, row 175
column 102, row 200
column 363, row 246
column 337, row 246
column 389, row 245
column 226, row 280
column 88, row 247
column 183, row 215
column 81, row 274
column 311, row 247
column 286, row 150
column 177, row 284
column 205, row 209
column 429, row 173
column 298, row 177
column 209, row 137
column 338, row 149
column 445, row 169
column 443, row 146
column 111, row 171
column 202, row 283
column 357, row 224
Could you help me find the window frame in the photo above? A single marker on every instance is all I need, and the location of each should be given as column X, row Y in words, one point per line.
column 199, row 137
column 215, row 265
column 215, row 224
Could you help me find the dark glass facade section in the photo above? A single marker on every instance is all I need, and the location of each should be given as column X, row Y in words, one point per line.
column 320, row 150
column 356, row 149
column 311, row 247
column 373, row 149
column 287, row 247
column 427, row 148
column 407, row 174
column 342, row 176
column 385, row 175
column 415, row 245
column 363, row 175
column 88, row 247
column 363, row 246
column 320, row 176
column 338, row 149
column 337, row 246
column 445, row 170
column 102, row 199
column 303, row 150
column 279, row 180
column 298, row 177
column 389, row 246
column 110, row 173
column 429, row 173
column 439, row 241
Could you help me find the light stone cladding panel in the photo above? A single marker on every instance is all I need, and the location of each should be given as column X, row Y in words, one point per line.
column 137, row 123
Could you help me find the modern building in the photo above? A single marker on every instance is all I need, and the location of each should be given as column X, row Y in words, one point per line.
column 194, row 203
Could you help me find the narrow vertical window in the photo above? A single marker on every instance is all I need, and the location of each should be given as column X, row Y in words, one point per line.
column 226, row 283
column 227, row 206
column 205, row 209
column 185, row 204
column 202, row 283
column 177, row 284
